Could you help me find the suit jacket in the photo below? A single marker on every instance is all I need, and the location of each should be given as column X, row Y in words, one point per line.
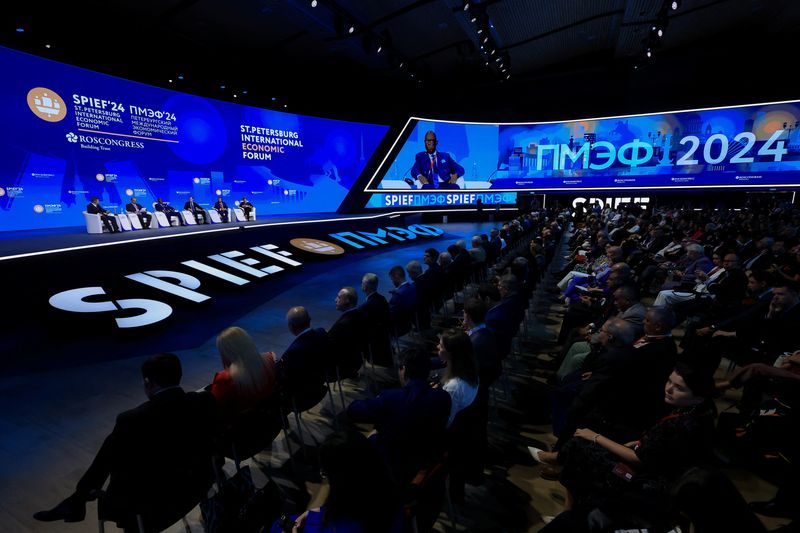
column 348, row 341
column 165, row 207
column 484, row 346
column 411, row 424
column 220, row 206
column 194, row 207
column 159, row 452
column 402, row 305
column 134, row 208
column 95, row 209
column 438, row 173
column 376, row 311
column 634, row 315
column 301, row 368
column 504, row 319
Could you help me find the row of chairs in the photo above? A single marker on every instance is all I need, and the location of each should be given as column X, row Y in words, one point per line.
column 131, row 221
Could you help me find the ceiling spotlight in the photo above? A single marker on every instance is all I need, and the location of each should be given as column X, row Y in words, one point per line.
column 676, row 4
column 473, row 19
column 480, row 30
column 351, row 29
column 169, row 81
column 313, row 3
column 487, row 63
column 273, row 98
column 499, row 60
column 660, row 32
column 380, row 48
column 236, row 96
column 466, row 6
column 485, row 39
column 649, row 53
column 180, row 76
column 221, row 86
column 244, row 92
column 493, row 51
column 47, row 46
column 402, row 64
column 20, row 30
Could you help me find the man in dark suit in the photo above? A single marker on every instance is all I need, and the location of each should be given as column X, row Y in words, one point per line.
column 434, row 169
column 109, row 220
column 409, row 422
column 169, row 211
column 505, row 317
column 432, row 280
column 139, row 211
column 158, row 456
column 376, row 310
column 403, row 301
column 484, row 342
column 197, row 210
column 246, row 207
column 347, row 334
column 425, row 293
column 301, row 368
column 222, row 209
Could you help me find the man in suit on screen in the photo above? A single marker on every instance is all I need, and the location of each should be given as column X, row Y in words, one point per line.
column 435, row 169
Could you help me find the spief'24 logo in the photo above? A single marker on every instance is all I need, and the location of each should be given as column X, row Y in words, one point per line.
column 47, row 104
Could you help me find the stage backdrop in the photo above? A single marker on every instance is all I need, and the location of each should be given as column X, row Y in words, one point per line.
column 751, row 146
column 69, row 134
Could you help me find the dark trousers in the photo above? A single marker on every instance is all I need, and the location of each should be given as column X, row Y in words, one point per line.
column 110, row 222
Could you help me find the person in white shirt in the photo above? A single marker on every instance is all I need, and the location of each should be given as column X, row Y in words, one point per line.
column 460, row 378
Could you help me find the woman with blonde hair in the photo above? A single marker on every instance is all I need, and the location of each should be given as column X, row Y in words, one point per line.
column 248, row 377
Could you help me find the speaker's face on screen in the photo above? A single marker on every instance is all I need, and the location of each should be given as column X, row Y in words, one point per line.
column 430, row 142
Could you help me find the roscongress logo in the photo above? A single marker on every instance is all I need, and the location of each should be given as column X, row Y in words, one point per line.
column 317, row 247
column 2, row 191
column 38, row 208
column 100, row 177
column 71, row 137
column 47, row 104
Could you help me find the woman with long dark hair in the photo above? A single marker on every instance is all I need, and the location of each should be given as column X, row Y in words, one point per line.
column 460, row 378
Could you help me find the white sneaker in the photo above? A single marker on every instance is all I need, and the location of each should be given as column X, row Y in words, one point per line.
column 535, row 454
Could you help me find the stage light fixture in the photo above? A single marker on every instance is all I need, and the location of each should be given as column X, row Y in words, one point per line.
column 235, row 95
column 485, row 39
column 351, row 29
column 480, row 30
column 676, row 4
column 466, row 5
column 313, row 3
column 180, row 76
column 47, row 46
column 649, row 53
column 473, row 19
column 169, row 81
column 20, row 30
column 492, row 52
column 222, row 87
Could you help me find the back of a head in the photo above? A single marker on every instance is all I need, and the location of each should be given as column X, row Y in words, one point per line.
column 163, row 369
column 241, row 357
column 511, row 283
column 397, row 272
column 298, row 319
column 461, row 361
column 414, row 269
column 369, row 282
column 476, row 310
column 416, row 363
column 360, row 484
column 622, row 332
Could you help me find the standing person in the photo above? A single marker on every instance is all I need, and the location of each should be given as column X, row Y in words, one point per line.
column 376, row 310
column 222, row 209
column 246, row 206
column 434, row 169
column 109, row 220
column 158, row 456
column 139, row 211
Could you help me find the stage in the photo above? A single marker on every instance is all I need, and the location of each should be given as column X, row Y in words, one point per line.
column 75, row 298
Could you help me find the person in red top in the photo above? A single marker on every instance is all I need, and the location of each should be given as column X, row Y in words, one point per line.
column 248, row 376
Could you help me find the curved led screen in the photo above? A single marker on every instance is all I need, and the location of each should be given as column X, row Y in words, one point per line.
column 750, row 146
column 70, row 134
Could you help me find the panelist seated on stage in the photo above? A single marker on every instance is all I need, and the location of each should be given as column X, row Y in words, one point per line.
column 196, row 210
column 222, row 209
column 434, row 169
column 246, row 206
column 139, row 211
column 109, row 220
column 168, row 210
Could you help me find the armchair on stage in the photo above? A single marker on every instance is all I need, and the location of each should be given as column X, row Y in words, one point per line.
column 94, row 224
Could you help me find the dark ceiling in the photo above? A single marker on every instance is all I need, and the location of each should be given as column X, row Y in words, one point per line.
column 558, row 59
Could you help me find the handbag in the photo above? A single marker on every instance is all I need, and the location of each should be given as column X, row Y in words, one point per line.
column 239, row 507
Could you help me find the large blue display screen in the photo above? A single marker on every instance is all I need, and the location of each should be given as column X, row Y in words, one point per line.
column 749, row 146
column 69, row 134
